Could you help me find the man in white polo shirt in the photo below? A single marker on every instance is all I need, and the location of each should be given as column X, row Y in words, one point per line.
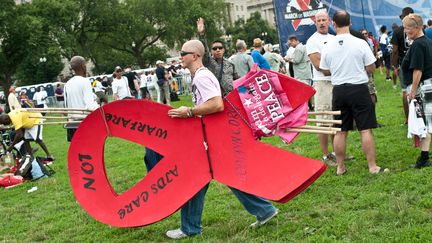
column 349, row 60
column 321, row 82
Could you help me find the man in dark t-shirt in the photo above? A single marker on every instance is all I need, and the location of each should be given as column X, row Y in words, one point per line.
column 162, row 82
column 400, row 47
column 132, row 81
column 59, row 94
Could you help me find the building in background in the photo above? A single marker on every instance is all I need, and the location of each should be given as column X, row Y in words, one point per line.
column 238, row 9
column 22, row 1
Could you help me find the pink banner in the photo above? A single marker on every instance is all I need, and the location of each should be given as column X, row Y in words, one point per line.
column 267, row 106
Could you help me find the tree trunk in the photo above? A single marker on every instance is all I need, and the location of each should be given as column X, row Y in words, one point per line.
column 7, row 83
column 140, row 60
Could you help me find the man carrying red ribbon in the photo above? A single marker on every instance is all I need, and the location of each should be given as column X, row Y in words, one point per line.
column 208, row 100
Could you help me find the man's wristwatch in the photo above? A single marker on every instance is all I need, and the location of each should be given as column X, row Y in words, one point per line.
column 189, row 112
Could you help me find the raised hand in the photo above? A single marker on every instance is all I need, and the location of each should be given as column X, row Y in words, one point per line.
column 200, row 26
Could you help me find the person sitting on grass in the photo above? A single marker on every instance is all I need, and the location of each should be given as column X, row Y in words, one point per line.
column 28, row 127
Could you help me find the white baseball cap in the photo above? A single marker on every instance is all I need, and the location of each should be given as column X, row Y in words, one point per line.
column 159, row 62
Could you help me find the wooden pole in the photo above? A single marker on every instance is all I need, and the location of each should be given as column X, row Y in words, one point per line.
column 310, row 131
column 57, row 117
column 58, row 109
column 324, row 113
column 325, row 121
column 60, row 122
column 320, row 128
column 61, row 112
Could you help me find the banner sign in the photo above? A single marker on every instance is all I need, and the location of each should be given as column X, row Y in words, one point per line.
column 295, row 17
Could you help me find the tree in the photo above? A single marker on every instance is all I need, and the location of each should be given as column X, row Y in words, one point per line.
column 16, row 41
column 78, row 26
column 24, row 40
column 108, row 32
column 252, row 28
column 143, row 26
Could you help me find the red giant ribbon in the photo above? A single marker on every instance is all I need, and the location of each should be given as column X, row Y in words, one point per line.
column 234, row 158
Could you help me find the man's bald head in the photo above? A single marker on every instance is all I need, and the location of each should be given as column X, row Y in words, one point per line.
column 77, row 63
column 322, row 14
column 194, row 46
column 342, row 18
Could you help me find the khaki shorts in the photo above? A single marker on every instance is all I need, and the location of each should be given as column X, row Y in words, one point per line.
column 323, row 99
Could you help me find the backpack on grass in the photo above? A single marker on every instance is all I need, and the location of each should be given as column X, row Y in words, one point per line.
column 33, row 168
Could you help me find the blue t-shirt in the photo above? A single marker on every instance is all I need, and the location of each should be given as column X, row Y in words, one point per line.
column 428, row 32
column 260, row 60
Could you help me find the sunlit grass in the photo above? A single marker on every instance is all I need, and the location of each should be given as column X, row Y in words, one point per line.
column 394, row 207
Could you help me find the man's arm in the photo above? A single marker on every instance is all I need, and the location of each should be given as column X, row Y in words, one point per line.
column 250, row 62
column 325, row 72
column 137, row 88
column 370, row 68
column 211, row 106
column 235, row 74
column 19, row 134
column 323, row 66
column 315, row 58
column 395, row 59
column 417, row 73
column 89, row 101
column 201, row 37
column 298, row 55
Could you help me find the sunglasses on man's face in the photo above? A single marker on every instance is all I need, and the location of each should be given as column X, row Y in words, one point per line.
column 214, row 48
column 184, row 53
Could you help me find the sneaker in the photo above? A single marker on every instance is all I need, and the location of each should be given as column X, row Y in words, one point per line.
column 329, row 160
column 25, row 166
column 420, row 164
column 264, row 221
column 48, row 160
column 176, row 234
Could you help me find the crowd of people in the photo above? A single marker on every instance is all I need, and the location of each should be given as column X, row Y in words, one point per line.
column 340, row 67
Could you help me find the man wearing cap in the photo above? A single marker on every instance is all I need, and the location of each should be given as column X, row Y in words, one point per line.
column 120, row 87
column 257, row 56
column 300, row 61
column 400, row 47
column 222, row 68
column 13, row 100
column 78, row 92
column 162, row 83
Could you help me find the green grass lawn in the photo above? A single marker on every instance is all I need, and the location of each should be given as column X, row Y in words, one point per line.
column 393, row 207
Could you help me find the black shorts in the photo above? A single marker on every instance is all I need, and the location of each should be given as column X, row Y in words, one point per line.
column 386, row 58
column 355, row 104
